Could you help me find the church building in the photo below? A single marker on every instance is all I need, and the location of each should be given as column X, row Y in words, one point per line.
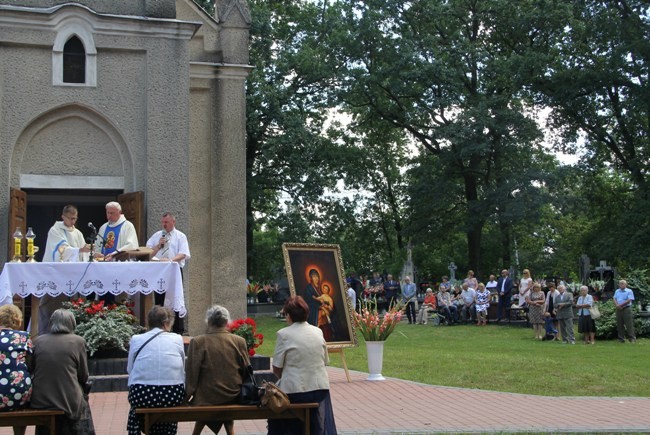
column 136, row 101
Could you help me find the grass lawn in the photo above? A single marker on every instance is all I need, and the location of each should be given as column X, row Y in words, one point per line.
column 500, row 358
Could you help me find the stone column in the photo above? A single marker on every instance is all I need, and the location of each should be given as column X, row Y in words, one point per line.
column 228, row 197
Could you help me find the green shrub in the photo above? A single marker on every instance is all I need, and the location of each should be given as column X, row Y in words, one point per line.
column 606, row 324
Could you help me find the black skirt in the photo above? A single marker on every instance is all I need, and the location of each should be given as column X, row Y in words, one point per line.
column 586, row 324
column 321, row 419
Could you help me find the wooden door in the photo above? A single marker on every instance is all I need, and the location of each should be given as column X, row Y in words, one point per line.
column 133, row 209
column 17, row 219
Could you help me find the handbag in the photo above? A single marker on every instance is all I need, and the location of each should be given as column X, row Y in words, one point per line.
column 594, row 312
column 274, row 398
column 249, row 392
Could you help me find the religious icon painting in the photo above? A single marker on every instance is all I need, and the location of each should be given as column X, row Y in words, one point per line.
column 315, row 272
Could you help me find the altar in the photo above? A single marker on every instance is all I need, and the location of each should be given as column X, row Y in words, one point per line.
column 130, row 277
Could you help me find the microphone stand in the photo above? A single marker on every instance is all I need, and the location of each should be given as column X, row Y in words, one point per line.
column 93, row 238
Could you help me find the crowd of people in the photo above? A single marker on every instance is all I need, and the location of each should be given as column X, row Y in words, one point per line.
column 52, row 372
column 549, row 309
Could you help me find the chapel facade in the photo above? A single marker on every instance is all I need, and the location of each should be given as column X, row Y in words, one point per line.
column 141, row 101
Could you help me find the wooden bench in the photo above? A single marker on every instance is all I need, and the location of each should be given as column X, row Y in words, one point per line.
column 22, row 418
column 223, row 413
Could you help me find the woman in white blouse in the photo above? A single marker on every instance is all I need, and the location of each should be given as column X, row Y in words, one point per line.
column 525, row 285
column 156, row 369
column 299, row 362
column 586, row 325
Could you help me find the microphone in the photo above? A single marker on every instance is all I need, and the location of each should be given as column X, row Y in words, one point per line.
column 92, row 227
column 164, row 237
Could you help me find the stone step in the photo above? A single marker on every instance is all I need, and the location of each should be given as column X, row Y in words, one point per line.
column 109, row 383
column 107, row 366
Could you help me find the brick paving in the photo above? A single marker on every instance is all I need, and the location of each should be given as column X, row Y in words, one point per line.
column 402, row 407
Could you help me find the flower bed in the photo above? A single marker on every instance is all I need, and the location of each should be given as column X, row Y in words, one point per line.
column 104, row 327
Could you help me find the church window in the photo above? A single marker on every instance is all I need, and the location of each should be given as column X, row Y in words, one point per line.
column 74, row 61
column 74, row 55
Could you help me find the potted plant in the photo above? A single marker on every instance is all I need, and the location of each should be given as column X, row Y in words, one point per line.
column 375, row 329
column 105, row 328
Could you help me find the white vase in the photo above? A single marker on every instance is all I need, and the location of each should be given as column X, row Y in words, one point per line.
column 375, row 360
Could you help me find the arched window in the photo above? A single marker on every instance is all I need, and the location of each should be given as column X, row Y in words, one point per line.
column 74, row 55
column 74, row 61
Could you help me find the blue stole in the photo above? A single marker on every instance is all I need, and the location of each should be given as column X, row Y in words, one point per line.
column 111, row 237
column 58, row 245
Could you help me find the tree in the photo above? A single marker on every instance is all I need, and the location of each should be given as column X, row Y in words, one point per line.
column 440, row 71
column 289, row 154
column 598, row 84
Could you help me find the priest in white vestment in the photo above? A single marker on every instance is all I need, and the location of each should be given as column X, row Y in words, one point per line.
column 65, row 243
column 116, row 235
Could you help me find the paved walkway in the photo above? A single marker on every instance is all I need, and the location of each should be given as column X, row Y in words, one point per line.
column 403, row 407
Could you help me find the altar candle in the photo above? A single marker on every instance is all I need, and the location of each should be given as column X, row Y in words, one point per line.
column 17, row 247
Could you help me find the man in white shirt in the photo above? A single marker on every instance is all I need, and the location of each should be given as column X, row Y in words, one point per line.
column 409, row 297
column 468, row 310
column 65, row 243
column 491, row 284
column 169, row 244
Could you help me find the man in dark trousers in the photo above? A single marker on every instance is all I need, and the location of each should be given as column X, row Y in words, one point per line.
column 504, row 288
column 392, row 289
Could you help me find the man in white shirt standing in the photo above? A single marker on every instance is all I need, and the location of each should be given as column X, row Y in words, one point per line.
column 65, row 243
column 409, row 297
column 169, row 244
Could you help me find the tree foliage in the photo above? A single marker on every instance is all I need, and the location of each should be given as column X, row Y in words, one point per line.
column 371, row 123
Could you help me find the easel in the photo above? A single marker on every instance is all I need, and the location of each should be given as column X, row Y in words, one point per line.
column 345, row 365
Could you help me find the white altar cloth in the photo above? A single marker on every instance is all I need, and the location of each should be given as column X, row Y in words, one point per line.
column 38, row 279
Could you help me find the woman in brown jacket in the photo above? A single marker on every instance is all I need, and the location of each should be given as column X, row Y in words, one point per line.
column 216, row 367
column 60, row 371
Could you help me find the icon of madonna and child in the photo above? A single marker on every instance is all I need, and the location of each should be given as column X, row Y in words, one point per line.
column 315, row 274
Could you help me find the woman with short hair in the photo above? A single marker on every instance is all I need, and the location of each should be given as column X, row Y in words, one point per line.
column 299, row 362
column 535, row 302
column 156, row 368
column 428, row 306
column 482, row 301
column 15, row 345
column 217, row 363
column 60, row 372
column 586, row 324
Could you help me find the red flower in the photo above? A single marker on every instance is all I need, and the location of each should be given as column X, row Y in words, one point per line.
column 247, row 329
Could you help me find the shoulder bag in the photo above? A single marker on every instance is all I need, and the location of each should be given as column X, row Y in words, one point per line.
column 249, row 392
column 594, row 312
column 274, row 398
column 137, row 352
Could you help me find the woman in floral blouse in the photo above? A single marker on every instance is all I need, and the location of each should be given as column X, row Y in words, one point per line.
column 15, row 381
column 482, row 300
